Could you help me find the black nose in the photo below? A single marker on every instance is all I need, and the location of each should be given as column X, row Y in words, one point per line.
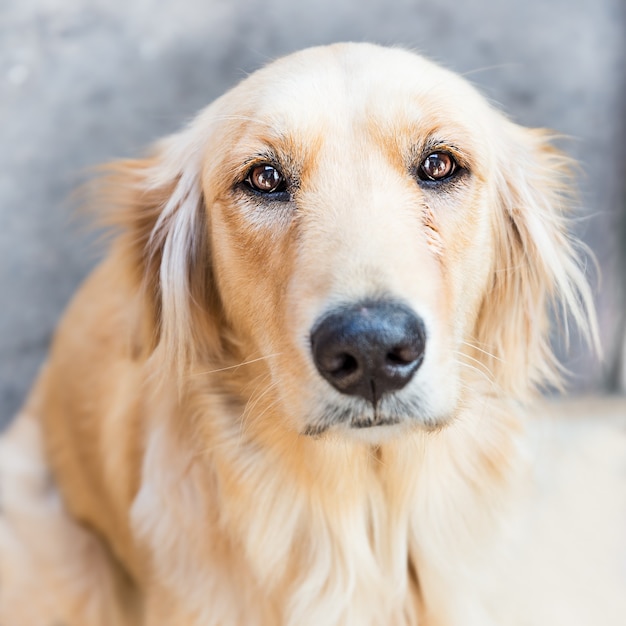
column 369, row 348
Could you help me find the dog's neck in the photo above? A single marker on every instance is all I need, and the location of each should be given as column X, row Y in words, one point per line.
column 350, row 529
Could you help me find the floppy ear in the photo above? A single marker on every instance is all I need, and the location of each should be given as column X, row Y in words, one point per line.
column 158, row 204
column 538, row 272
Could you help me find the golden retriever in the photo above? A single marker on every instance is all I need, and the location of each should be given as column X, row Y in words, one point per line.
column 291, row 393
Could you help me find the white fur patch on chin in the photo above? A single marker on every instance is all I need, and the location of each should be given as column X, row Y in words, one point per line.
column 374, row 435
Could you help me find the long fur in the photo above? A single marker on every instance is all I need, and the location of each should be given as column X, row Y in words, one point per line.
column 174, row 404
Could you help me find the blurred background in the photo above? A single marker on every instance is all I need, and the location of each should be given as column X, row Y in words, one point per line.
column 86, row 81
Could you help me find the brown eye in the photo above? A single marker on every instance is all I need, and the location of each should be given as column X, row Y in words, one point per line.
column 266, row 179
column 437, row 166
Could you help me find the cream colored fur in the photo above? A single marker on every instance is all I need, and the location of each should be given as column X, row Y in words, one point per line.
column 169, row 427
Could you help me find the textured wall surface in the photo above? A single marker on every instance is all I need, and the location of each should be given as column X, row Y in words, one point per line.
column 85, row 82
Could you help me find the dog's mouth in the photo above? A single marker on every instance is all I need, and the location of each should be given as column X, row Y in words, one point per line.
column 390, row 411
column 362, row 422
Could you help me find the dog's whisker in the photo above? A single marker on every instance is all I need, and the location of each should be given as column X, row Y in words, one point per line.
column 478, row 363
column 242, row 118
column 475, row 363
column 253, row 401
column 236, row 366
column 492, row 383
column 261, row 387
column 249, row 411
column 489, row 68
column 485, row 352
column 486, row 373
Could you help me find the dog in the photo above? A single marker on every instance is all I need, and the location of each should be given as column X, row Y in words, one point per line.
column 292, row 392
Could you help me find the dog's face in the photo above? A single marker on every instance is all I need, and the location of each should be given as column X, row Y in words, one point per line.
column 374, row 229
column 354, row 211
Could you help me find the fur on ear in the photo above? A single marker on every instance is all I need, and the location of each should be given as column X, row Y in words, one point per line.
column 157, row 203
column 539, row 270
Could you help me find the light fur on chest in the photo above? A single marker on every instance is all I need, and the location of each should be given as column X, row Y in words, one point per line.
column 309, row 532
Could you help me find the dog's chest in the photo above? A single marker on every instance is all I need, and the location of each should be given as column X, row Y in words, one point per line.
column 256, row 537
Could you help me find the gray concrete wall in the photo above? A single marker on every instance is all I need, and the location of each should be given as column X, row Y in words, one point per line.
column 83, row 82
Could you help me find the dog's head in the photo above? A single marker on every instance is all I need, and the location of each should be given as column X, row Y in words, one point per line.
column 368, row 225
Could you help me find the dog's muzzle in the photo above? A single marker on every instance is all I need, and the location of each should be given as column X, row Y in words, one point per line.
column 369, row 348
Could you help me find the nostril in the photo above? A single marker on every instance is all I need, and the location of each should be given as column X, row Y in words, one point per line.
column 340, row 365
column 404, row 355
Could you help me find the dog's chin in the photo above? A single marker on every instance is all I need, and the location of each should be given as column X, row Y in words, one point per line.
column 374, row 426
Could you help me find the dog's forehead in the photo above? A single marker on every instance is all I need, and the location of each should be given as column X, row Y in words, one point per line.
column 354, row 82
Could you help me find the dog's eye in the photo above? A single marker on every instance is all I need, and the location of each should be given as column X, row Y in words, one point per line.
column 266, row 179
column 437, row 166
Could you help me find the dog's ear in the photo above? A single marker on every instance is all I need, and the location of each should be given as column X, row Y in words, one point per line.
column 157, row 205
column 539, row 269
